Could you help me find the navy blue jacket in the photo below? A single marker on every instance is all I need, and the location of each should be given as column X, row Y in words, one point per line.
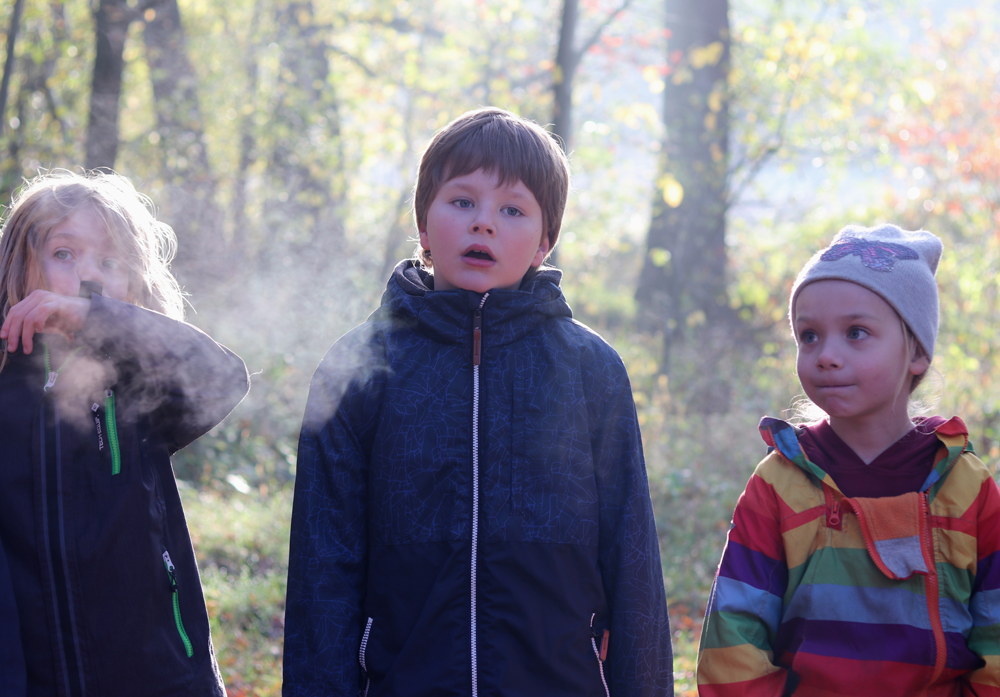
column 101, row 563
column 12, row 673
column 463, row 529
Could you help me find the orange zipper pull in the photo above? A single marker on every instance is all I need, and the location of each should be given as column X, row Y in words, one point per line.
column 477, row 336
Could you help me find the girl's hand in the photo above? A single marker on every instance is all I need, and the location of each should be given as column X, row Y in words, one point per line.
column 43, row 312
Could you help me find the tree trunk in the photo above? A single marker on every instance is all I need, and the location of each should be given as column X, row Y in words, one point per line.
column 306, row 177
column 8, row 66
column 248, row 144
column 567, row 58
column 682, row 287
column 111, row 19
column 190, row 205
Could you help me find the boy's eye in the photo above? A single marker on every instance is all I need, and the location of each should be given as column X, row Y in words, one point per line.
column 856, row 333
column 512, row 212
column 462, row 203
column 807, row 337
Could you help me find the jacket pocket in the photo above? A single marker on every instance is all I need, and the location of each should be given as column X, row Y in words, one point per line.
column 171, row 572
column 599, row 643
column 361, row 656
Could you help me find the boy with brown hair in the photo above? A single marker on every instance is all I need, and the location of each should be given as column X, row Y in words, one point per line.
column 472, row 515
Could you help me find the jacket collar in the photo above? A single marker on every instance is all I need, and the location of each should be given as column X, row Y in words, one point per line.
column 782, row 436
column 446, row 316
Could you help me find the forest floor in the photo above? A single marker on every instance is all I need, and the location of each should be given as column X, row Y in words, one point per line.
column 242, row 547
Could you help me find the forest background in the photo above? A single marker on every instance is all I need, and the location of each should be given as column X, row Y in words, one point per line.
column 715, row 145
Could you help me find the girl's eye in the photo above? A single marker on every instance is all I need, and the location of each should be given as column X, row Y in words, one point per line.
column 112, row 264
column 807, row 337
column 512, row 212
column 62, row 254
column 462, row 203
column 856, row 333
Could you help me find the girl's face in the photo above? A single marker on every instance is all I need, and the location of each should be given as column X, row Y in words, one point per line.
column 853, row 361
column 80, row 249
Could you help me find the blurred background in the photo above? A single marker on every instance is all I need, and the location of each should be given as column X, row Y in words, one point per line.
column 715, row 145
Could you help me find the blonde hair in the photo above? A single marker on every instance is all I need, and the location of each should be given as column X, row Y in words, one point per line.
column 146, row 244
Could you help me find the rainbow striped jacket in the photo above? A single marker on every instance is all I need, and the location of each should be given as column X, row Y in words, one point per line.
column 820, row 595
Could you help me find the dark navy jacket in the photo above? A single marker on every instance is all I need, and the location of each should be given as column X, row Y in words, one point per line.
column 12, row 672
column 89, row 509
column 402, row 581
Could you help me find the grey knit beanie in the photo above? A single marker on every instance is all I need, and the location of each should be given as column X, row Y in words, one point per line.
column 897, row 264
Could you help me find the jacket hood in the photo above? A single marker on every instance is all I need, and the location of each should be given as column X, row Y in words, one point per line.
column 783, row 437
column 445, row 315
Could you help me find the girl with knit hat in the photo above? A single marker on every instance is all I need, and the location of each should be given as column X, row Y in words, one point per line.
column 864, row 554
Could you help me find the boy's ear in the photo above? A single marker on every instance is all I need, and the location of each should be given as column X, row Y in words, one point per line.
column 543, row 250
column 424, row 241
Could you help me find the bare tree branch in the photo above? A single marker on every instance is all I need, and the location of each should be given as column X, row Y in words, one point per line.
column 354, row 59
column 596, row 35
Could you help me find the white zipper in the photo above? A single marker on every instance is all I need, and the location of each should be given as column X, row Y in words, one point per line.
column 477, row 333
column 361, row 654
column 597, row 653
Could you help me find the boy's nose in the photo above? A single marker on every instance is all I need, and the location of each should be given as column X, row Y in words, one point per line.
column 484, row 223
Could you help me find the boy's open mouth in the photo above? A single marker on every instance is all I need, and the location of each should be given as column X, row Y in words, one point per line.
column 477, row 254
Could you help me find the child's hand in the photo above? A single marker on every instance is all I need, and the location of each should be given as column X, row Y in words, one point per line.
column 43, row 312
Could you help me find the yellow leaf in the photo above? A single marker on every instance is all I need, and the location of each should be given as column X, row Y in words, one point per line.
column 673, row 192
column 659, row 256
column 682, row 76
column 924, row 90
column 701, row 56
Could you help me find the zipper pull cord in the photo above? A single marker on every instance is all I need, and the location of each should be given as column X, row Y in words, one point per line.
column 52, row 375
column 477, row 331
column 111, row 420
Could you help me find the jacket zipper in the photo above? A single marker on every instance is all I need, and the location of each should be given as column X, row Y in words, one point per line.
column 54, row 535
column 933, row 601
column 601, row 653
column 361, row 654
column 111, row 421
column 477, row 342
column 188, row 648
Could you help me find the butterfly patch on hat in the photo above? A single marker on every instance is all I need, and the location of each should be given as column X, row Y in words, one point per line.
column 878, row 256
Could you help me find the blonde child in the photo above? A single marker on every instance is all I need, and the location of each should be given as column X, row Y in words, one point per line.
column 863, row 554
column 100, row 383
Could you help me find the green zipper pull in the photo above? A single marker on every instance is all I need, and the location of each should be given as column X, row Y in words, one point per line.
column 112, row 424
column 188, row 648
column 53, row 375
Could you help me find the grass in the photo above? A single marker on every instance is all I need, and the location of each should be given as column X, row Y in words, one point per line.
column 242, row 547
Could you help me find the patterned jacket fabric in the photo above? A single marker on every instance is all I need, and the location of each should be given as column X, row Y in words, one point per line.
column 382, row 587
column 90, row 511
column 822, row 595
